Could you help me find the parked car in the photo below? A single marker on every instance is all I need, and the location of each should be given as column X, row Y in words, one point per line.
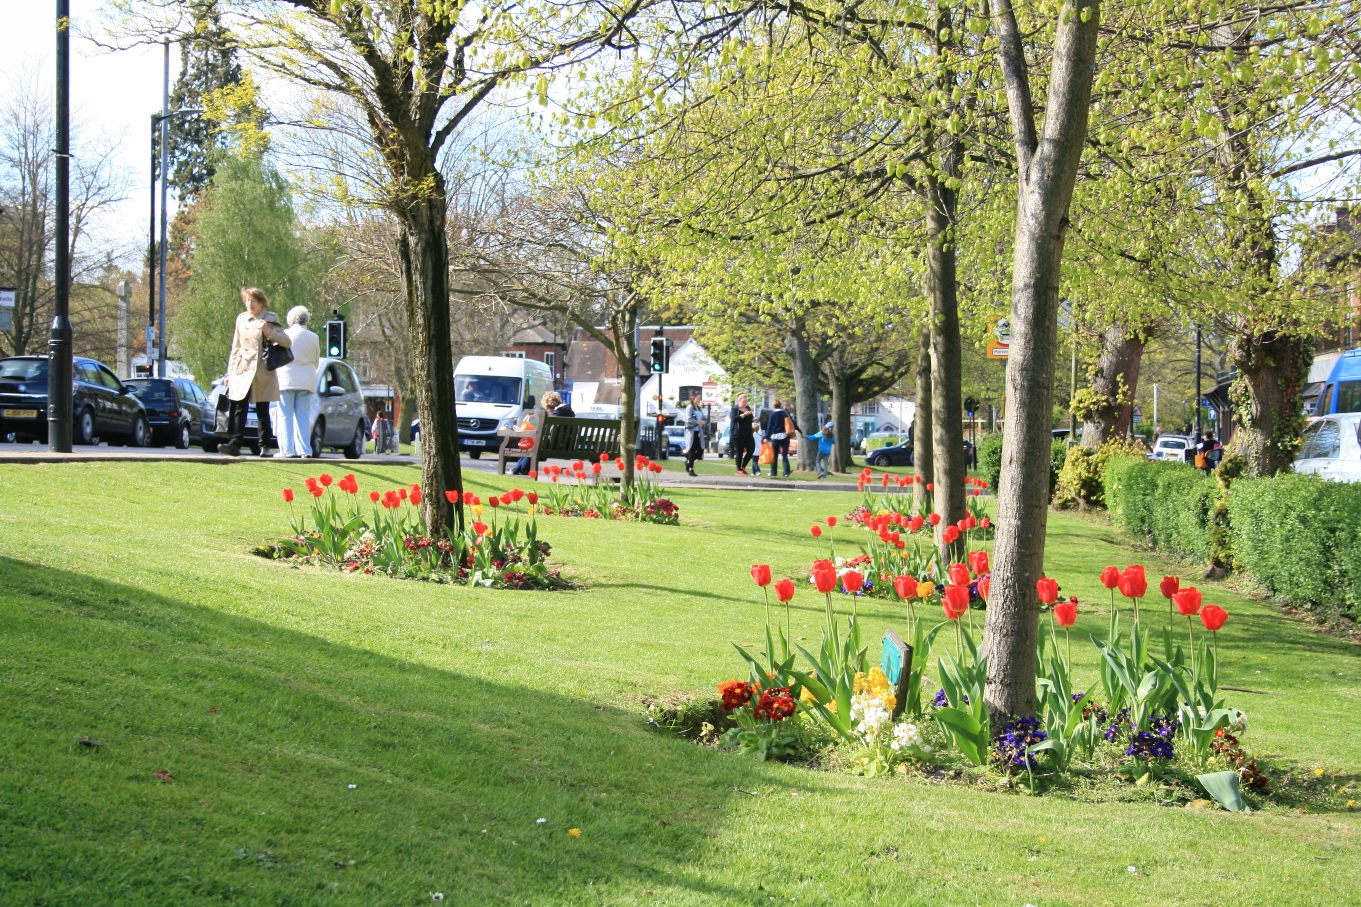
column 675, row 438
column 175, row 409
column 339, row 418
column 103, row 408
column 725, row 442
column 899, row 454
column 1171, row 447
column 1332, row 448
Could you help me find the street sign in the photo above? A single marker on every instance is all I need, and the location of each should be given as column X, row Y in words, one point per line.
column 6, row 297
column 1002, row 331
column 709, row 394
column 970, row 406
column 997, row 350
column 1138, row 415
column 6, row 320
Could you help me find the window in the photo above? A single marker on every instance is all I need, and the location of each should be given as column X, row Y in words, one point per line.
column 1326, row 442
column 512, row 354
column 108, row 378
column 1348, row 397
column 487, row 389
column 347, row 379
column 87, row 373
column 550, row 360
column 24, row 369
column 1308, row 439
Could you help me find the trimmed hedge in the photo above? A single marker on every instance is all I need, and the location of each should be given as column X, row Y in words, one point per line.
column 990, row 461
column 1166, row 504
column 1301, row 536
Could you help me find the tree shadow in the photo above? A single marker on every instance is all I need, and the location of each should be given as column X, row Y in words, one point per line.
column 298, row 767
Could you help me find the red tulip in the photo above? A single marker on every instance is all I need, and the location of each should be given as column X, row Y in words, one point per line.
column 1048, row 590
column 853, row 580
column 288, row 495
column 1187, row 601
column 935, row 519
column 325, row 480
column 507, row 499
column 493, row 501
column 533, row 498
column 516, row 495
column 1066, row 612
column 480, row 528
column 604, row 457
column 373, row 496
column 1213, row 617
column 1169, row 586
column 816, row 530
column 824, row 576
column 1133, row 585
column 317, row 490
column 985, row 523
column 958, row 574
column 985, row 588
column 1110, row 577
column 595, row 469
column 915, row 523
column 949, row 535
column 930, row 486
column 416, row 498
column 401, row 494
column 831, row 521
column 578, row 466
column 979, row 561
column 534, row 474
column 955, row 601
column 761, row 573
column 970, row 522
column 619, row 464
column 784, row 590
column 905, row 587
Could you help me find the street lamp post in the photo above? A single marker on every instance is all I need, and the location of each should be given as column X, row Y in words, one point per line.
column 59, row 345
column 159, row 123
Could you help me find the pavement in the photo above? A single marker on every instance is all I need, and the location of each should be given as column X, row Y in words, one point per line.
column 37, row 453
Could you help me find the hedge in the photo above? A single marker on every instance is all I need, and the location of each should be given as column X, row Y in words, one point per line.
column 1301, row 536
column 990, row 461
column 1165, row 504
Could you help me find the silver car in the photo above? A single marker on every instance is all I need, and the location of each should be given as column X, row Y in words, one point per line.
column 1332, row 448
column 339, row 420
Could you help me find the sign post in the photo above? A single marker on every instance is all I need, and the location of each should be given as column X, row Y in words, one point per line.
column 6, row 308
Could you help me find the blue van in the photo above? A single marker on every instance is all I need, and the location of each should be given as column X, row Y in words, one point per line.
column 1342, row 391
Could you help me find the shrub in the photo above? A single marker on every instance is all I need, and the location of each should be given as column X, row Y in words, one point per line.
column 1301, row 536
column 1082, row 479
column 990, row 461
column 1166, row 504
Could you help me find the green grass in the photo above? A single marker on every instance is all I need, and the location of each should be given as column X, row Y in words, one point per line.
column 132, row 614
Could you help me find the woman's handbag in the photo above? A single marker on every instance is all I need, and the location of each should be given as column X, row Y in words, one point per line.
column 276, row 355
column 1200, row 461
column 789, row 427
column 767, row 454
column 221, row 419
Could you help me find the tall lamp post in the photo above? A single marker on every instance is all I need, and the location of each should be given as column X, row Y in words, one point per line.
column 59, row 345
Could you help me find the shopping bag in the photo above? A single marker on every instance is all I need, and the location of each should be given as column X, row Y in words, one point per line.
column 1200, row 461
column 767, row 453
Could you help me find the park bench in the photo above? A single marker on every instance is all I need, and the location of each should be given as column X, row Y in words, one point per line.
column 560, row 438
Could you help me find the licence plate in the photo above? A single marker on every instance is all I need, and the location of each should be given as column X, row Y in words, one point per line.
column 21, row 414
column 474, row 442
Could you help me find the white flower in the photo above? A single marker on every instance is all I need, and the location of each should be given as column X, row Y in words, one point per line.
column 840, row 562
column 873, row 719
column 1240, row 725
column 905, row 735
column 436, row 895
column 540, row 821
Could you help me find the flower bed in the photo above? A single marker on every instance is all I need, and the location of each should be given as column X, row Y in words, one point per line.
column 897, row 499
column 1155, row 716
column 594, row 496
column 388, row 537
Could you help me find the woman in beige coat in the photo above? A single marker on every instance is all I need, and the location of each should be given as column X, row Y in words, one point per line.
column 249, row 380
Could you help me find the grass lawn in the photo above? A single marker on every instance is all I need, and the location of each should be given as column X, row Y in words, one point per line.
column 334, row 739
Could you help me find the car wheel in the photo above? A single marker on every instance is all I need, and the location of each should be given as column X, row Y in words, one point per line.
column 475, row 454
column 182, row 439
column 140, row 434
column 85, row 427
column 318, row 436
column 355, row 449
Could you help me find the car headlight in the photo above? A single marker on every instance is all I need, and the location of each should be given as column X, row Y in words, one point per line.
column 508, row 423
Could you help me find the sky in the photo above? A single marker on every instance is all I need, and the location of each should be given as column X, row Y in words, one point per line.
column 114, row 92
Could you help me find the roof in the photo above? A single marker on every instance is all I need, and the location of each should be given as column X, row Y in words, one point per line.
column 535, row 334
column 586, row 360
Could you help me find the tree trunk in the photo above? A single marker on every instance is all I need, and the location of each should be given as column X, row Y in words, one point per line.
column 626, row 353
column 424, row 252
column 1117, row 378
column 1266, row 399
column 921, row 427
column 841, row 416
column 1047, row 167
column 805, row 392
column 947, row 402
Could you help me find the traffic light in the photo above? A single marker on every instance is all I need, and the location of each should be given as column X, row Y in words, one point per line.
column 335, row 339
column 661, row 355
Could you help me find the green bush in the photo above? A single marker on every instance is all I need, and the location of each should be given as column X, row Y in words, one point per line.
column 990, row 461
column 1082, row 479
column 1301, row 536
column 1166, row 504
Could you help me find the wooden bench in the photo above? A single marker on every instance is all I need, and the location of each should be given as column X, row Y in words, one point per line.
column 559, row 438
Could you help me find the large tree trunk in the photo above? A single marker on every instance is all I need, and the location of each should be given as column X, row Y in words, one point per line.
column 1047, row 166
column 921, row 426
column 424, row 252
column 805, row 392
column 947, row 403
column 1267, row 401
column 841, row 416
column 626, row 352
column 1116, row 380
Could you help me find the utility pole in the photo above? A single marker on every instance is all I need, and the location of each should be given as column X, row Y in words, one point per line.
column 1199, row 433
column 151, row 255
column 165, row 186
column 1155, row 409
column 59, row 345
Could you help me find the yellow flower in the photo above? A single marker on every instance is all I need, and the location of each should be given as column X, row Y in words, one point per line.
column 807, row 697
column 574, row 832
column 477, row 510
column 860, row 683
column 925, row 589
column 1318, row 773
column 531, row 509
column 890, row 701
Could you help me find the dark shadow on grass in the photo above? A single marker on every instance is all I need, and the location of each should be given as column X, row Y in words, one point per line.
column 263, row 730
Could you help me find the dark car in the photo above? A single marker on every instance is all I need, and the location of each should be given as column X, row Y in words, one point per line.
column 174, row 410
column 103, row 407
column 894, row 455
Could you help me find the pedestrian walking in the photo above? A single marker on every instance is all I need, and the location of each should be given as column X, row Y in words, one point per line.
column 780, row 428
column 552, row 406
column 742, row 435
column 381, row 433
column 249, row 378
column 694, row 432
column 1208, row 453
column 298, row 386
column 826, row 441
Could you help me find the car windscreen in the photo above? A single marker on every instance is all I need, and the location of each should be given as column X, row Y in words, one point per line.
column 1348, row 397
column 24, row 369
column 487, row 389
column 150, row 391
column 1173, row 444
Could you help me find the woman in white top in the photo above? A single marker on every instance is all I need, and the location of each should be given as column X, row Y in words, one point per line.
column 297, row 386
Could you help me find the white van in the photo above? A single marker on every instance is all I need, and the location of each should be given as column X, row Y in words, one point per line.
column 495, row 392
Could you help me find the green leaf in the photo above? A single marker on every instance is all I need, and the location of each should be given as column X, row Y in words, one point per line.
column 1223, row 786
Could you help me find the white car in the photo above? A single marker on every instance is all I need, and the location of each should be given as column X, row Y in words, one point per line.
column 1332, row 448
column 1170, row 447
